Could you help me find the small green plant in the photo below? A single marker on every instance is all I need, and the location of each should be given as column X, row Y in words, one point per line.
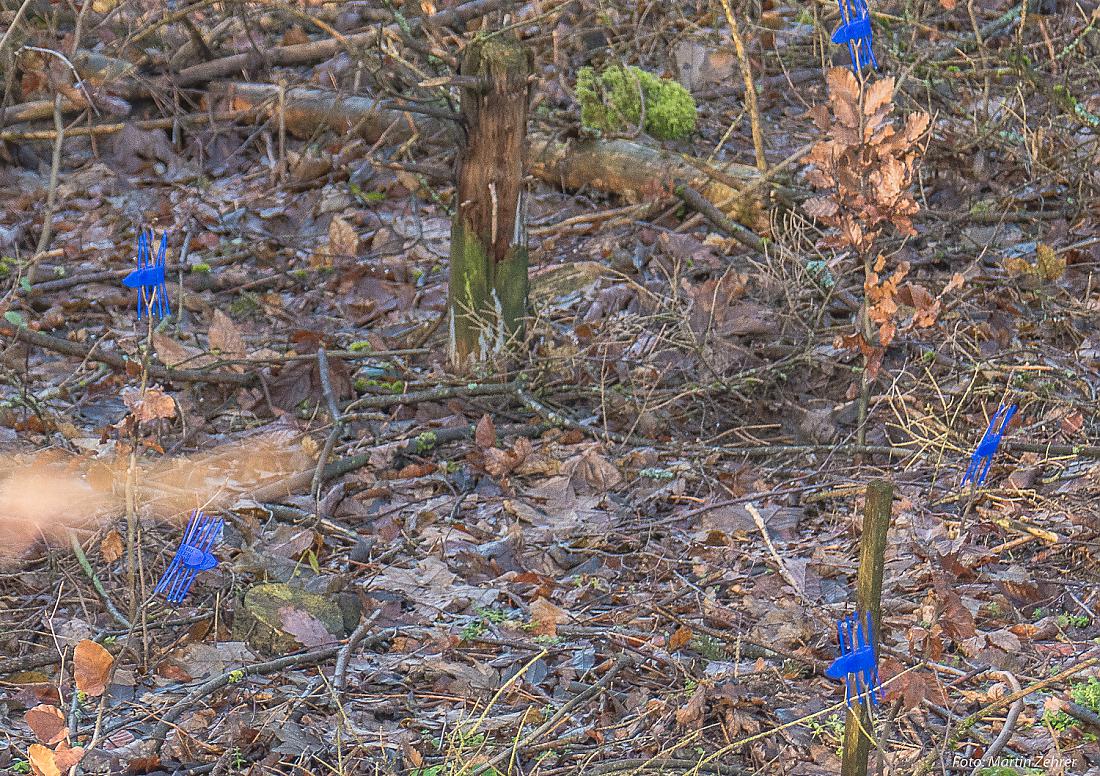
column 237, row 759
column 236, row 676
column 20, row 766
column 709, row 647
column 1086, row 694
column 626, row 99
column 829, row 731
column 1066, row 620
column 431, row 770
column 425, row 442
column 202, row 266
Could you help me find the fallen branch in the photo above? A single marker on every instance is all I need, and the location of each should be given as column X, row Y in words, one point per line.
column 632, row 170
column 58, row 345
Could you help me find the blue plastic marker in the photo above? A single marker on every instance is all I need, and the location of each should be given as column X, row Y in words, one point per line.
column 981, row 458
column 855, row 32
column 148, row 278
column 857, row 664
column 194, row 555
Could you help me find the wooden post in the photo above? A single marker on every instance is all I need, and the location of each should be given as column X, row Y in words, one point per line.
column 487, row 298
column 872, row 556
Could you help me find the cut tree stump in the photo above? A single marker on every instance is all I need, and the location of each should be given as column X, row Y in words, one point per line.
column 487, row 297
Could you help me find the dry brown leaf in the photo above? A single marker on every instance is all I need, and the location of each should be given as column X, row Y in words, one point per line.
column 42, row 761
column 307, row 629
column 821, row 207
column 546, row 617
column 91, row 667
column 501, row 462
column 878, row 95
column 691, row 713
column 955, row 283
column 225, row 337
column 47, row 723
column 66, row 756
column 153, row 405
column 342, row 239
column 679, row 638
column 485, row 435
column 111, row 547
column 175, row 354
column 844, row 96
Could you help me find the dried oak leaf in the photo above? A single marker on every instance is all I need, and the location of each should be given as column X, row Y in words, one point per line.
column 154, row 404
column 501, row 462
column 307, row 629
column 485, row 435
column 546, row 617
column 342, row 239
column 111, row 547
column 225, row 337
column 844, row 96
column 42, row 761
column 91, row 667
column 47, row 723
column 48, row 762
column 691, row 713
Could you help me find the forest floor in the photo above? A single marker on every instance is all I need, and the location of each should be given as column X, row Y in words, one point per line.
column 630, row 555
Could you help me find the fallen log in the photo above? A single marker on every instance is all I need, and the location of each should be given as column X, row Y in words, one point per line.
column 632, row 170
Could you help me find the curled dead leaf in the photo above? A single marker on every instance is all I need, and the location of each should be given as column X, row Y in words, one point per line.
column 111, row 547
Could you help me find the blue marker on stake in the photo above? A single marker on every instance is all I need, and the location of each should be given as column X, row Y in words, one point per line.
column 148, row 278
column 855, row 32
column 856, row 664
column 982, row 457
column 194, row 555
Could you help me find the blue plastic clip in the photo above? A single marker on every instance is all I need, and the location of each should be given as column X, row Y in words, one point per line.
column 856, row 664
column 193, row 556
column 148, row 278
column 855, row 31
column 981, row 458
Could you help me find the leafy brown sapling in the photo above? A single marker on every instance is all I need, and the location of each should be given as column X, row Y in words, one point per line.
column 863, row 169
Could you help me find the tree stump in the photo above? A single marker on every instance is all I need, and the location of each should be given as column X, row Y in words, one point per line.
column 487, row 297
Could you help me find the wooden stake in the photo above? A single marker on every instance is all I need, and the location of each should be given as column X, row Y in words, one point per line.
column 872, row 555
column 487, row 298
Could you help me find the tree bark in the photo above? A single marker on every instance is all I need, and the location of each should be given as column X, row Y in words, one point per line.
column 487, row 298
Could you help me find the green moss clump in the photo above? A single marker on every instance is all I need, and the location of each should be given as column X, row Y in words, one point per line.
column 611, row 101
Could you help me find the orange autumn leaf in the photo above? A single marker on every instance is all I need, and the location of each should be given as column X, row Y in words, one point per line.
column 42, row 761
column 91, row 667
column 111, row 547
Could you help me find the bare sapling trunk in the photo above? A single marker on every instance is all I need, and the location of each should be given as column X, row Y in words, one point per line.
column 487, row 298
